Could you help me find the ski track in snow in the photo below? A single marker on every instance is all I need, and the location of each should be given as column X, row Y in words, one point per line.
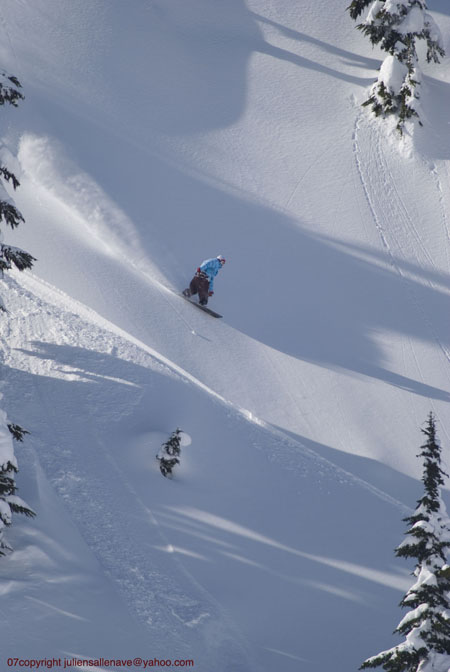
column 445, row 223
column 389, row 206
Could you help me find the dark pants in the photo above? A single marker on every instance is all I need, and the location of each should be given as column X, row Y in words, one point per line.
column 199, row 285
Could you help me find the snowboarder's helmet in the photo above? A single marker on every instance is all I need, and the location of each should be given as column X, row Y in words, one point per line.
column 221, row 259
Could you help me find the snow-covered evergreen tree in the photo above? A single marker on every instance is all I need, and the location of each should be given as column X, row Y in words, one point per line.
column 9, row 215
column 169, row 453
column 396, row 25
column 10, row 256
column 426, row 627
column 9, row 502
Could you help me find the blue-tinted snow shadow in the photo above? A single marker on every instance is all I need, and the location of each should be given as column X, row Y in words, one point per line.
column 205, row 48
column 83, row 425
column 179, row 68
column 318, row 553
column 327, row 556
column 346, row 57
column 309, row 296
column 322, row 301
column 393, row 483
column 305, row 295
column 440, row 6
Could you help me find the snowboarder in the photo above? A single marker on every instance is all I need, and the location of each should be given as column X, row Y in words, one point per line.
column 203, row 281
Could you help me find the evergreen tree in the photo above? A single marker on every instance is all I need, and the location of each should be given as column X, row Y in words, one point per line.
column 9, row 215
column 396, row 25
column 10, row 256
column 426, row 627
column 169, row 454
column 9, row 502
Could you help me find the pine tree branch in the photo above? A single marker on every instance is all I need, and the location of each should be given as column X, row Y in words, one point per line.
column 17, row 431
column 13, row 256
column 9, row 177
column 10, row 214
column 10, row 94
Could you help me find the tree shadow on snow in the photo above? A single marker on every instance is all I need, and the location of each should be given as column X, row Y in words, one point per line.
column 308, row 295
column 183, row 66
column 204, row 80
column 347, row 57
column 311, row 297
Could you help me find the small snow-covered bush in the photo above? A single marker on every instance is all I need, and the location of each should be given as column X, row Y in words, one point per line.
column 395, row 92
column 168, row 456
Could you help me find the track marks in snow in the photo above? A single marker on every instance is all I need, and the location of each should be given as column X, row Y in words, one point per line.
column 399, row 235
column 443, row 206
column 294, row 192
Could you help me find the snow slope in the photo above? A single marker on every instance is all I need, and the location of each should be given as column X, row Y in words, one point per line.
column 153, row 135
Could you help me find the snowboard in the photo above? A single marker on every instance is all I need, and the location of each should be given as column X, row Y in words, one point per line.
column 204, row 308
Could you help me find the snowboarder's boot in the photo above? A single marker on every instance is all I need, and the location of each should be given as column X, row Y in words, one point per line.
column 203, row 302
column 186, row 292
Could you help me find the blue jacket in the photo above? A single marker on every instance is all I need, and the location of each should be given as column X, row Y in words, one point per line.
column 211, row 267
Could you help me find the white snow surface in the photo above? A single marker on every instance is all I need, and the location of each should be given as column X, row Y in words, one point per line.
column 155, row 135
column 393, row 73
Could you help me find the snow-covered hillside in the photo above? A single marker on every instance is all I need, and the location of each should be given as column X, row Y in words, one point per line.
column 154, row 135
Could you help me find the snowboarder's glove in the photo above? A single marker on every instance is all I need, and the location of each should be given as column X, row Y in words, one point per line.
column 210, row 293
